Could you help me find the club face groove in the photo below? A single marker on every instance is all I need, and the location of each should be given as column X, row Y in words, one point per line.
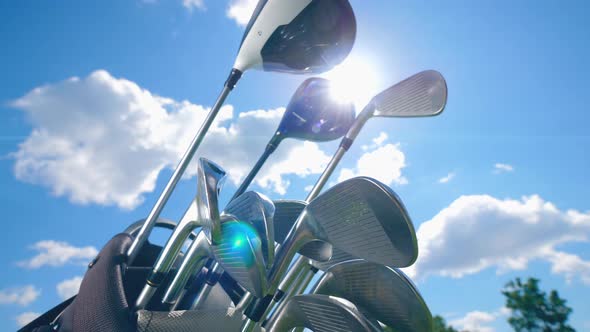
column 210, row 178
column 258, row 210
column 387, row 294
column 367, row 220
column 424, row 94
column 313, row 113
column 319, row 313
column 240, row 254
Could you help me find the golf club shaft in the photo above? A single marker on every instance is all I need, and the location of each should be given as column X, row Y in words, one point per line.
column 177, row 175
column 270, row 148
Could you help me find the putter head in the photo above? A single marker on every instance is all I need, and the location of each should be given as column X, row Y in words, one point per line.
column 366, row 219
column 240, row 254
column 258, row 210
column 319, row 313
column 304, row 36
column 210, row 178
column 313, row 114
column 424, row 94
column 387, row 294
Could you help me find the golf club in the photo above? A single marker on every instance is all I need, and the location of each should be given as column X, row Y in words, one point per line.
column 423, row 94
column 304, row 36
column 313, row 115
column 209, row 180
column 360, row 216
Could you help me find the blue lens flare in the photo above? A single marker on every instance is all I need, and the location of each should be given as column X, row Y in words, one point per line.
column 238, row 236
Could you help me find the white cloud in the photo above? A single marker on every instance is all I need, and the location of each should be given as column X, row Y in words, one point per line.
column 447, row 178
column 241, row 10
column 69, row 287
column 382, row 162
column 54, row 253
column 475, row 321
column 193, row 4
column 479, row 232
column 26, row 317
column 503, row 168
column 105, row 140
column 23, row 296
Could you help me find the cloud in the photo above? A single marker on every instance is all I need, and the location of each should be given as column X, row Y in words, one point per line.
column 503, row 168
column 478, row 232
column 193, row 4
column 54, row 253
column 447, row 178
column 382, row 162
column 26, row 317
column 105, row 140
column 475, row 321
column 69, row 287
column 23, row 296
column 241, row 10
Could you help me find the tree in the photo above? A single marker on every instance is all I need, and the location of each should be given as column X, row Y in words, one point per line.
column 533, row 311
column 439, row 325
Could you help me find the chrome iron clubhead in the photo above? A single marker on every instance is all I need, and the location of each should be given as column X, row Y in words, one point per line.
column 240, row 255
column 386, row 294
column 239, row 252
column 360, row 216
column 259, row 211
column 319, row 313
column 210, row 178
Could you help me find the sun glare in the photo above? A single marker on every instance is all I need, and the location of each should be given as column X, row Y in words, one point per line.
column 354, row 80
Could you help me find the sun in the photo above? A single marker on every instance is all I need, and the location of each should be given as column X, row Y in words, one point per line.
column 354, row 80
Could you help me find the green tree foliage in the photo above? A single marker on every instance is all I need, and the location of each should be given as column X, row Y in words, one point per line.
column 439, row 325
column 533, row 311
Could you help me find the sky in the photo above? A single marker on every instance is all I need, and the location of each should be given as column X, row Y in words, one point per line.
column 99, row 99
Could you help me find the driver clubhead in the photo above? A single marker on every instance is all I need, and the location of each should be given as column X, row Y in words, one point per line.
column 424, row 94
column 313, row 114
column 210, row 178
column 240, row 254
column 301, row 37
column 319, row 313
column 387, row 294
column 366, row 219
column 258, row 210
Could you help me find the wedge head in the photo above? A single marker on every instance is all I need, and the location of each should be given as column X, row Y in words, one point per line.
column 366, row 219
column 386, row 293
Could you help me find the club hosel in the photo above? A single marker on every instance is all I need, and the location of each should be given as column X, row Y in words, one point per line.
column 233, row 78
column 358, row 124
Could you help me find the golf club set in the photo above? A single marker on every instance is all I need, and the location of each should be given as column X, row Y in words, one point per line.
column 327, row 263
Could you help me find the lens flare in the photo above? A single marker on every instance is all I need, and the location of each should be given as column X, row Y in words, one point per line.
column 354, row 80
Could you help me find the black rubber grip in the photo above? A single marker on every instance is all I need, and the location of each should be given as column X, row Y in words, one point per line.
column 257, row 308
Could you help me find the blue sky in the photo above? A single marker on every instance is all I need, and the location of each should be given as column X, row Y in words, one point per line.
column 99, row 99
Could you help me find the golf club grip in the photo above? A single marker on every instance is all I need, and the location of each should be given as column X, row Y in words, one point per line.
column 145, row 231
